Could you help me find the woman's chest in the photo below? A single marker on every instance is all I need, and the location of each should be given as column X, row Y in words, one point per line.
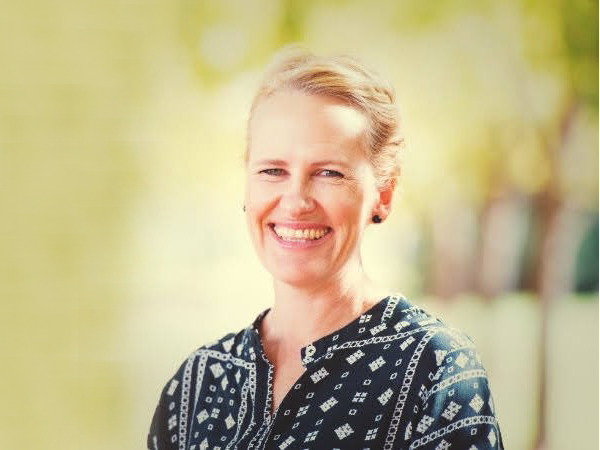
column 330, row 404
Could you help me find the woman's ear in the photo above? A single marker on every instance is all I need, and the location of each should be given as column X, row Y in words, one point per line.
column 383, row 206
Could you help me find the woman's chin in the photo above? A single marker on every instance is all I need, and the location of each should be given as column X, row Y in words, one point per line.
column 297, row 275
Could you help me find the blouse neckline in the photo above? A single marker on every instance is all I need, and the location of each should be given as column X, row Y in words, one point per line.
column 375, row 316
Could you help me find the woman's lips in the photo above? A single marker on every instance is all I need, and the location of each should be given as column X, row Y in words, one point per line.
column 300, row 235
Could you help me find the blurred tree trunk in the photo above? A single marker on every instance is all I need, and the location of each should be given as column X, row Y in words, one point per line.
column 452, row 261
column 500, row 250
column 560, row 228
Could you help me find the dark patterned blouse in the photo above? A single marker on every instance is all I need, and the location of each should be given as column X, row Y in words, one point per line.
column 394, row 378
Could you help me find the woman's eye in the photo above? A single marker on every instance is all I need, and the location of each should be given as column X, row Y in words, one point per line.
column 331, row 173
column 273, row 172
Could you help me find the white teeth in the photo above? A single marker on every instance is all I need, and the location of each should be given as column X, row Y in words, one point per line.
column 292, row 234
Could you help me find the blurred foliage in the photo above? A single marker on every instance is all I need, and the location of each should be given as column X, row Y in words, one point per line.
column 587, row 261
column 580, row 28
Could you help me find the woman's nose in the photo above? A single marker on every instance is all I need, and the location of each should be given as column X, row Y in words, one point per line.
column 297, row 199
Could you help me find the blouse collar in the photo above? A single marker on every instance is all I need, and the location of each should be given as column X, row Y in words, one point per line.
column 368, row 325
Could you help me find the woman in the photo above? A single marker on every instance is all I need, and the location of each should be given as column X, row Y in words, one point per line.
column 335, row 363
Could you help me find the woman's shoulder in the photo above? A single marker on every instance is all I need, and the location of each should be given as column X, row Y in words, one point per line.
column 450, row 386
column 437, row 343
column 232, row 346
column 208, row 362
column 239, row 344
column 232, row 350
column 212, row 358
column 440, row 335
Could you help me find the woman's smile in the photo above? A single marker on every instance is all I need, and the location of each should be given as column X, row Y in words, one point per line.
column 300, row 235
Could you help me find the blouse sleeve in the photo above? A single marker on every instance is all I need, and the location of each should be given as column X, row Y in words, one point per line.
column 163, row 429
column 169, row 417
column 456, row 408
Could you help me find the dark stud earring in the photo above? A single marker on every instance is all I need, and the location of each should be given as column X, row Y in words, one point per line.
column 376, row 219
column 244, row 208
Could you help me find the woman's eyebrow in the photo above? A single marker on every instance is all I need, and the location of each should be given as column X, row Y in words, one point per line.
column 281, row 162
column 270, row 162
column 331, row 161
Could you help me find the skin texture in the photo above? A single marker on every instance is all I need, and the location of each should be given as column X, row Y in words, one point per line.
column 307, row 168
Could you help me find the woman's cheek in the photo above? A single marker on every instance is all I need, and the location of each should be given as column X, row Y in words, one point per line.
column 256, row 194
column 346, row 196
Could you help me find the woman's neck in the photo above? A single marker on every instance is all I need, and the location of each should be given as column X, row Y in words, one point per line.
column 301, row 315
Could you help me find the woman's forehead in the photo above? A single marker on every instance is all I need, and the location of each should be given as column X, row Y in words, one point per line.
column 288, row 122
column 293, row 101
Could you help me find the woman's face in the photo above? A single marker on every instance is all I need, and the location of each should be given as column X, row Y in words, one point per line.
column 310, row 190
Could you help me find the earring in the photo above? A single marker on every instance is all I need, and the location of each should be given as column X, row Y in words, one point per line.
column 376, row 219
column 244, row 208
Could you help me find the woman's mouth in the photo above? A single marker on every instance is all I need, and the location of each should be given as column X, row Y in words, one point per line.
column 304, row 235
column 300, row 234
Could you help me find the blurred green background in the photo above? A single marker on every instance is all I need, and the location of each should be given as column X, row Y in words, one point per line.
column 123, row 245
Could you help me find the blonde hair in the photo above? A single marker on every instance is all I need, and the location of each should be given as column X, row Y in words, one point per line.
column 345, row 78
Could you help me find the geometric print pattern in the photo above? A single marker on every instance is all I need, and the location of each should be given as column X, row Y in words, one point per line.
column 394, row 378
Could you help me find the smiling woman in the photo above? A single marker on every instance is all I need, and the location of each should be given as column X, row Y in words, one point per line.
column 337, row 362
column 307, row 173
